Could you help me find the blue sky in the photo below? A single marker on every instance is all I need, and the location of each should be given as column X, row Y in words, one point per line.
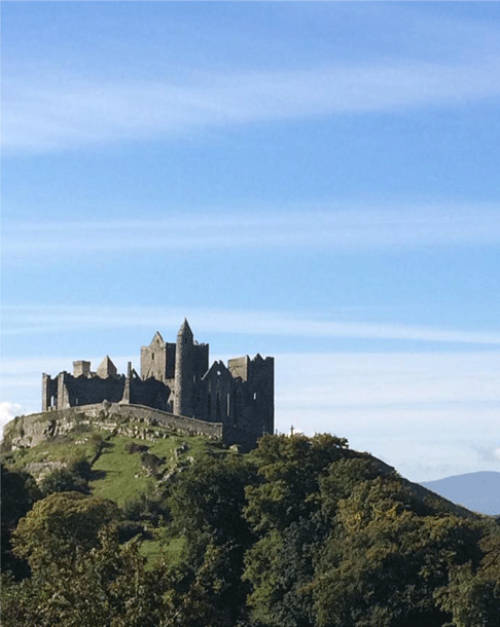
column 313, row 181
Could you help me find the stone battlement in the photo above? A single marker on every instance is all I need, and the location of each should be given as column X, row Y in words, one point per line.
column 177, row 380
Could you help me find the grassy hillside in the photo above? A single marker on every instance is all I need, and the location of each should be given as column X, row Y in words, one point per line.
column 162, row 529
column 117, row 474
column 120, row 475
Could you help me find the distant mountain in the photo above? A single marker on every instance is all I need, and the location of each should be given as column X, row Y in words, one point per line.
column 477, row 491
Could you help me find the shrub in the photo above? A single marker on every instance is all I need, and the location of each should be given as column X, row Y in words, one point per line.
column 145, row 507
column 151, row 462
column 133, row 447
column 82, row 468
column 63, row 480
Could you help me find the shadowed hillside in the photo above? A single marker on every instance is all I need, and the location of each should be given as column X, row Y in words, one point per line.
column 144, row 525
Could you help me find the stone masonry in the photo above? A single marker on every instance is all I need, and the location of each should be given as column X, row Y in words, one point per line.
column 176, row 378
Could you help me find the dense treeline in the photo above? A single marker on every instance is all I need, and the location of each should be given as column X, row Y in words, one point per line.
column 301, row 532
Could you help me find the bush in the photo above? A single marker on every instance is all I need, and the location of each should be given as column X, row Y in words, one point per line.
column 133, row 447
column 145, row 508
column 151, row 462
column 63, row 480
column 80, row 466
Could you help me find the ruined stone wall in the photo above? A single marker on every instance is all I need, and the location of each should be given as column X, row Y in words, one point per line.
column 200, row 360
column 49, row 392
column 176, row 378
column 87, row 391
column 261, row 393
column 219, row 388
column 158, row 360
column 151, row 393
column 29, row 431
column 81, row 368
column 254, row 400
column 245, row 405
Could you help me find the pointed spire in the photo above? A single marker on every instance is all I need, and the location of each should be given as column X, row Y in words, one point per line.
column 185, row 329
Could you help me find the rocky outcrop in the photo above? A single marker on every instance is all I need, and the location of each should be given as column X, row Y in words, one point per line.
column 133, row 421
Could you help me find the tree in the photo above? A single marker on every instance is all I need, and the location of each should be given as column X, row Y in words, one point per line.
column 19, row 492
column 206, row 506
column 472, row 595
column 290, row 469
column 62, row 524
column 284, row 510
column 103, row 586
column 382, row 562
column 63, row 480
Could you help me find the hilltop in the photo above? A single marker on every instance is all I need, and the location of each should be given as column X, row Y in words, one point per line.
column 105, row 434
column 150, row 524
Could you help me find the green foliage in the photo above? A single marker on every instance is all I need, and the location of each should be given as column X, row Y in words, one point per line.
column 97, row 441
column 61, row 525
column 346, row 543
column 151, row 463
column 147, row 506
column 106, row 586
column 63, row 480
column 207, row 500
column 19, row 493
column 81, row 467
column 206, row 504
column 290, row 468
column 301, row 532
column 284, row 509
column 133, row 447
column 473, row 594
column 120, row 476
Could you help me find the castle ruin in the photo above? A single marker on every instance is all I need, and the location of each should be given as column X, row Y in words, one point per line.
column 176, row 378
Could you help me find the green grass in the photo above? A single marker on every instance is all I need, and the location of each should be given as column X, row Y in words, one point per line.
column 161, row 549
column 62, row 449
column 123, row 477
column 119, row 475
column 122, row 472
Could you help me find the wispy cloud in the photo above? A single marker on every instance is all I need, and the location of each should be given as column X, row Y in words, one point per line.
column 61, row 112
column 45, row 318
column 388, row 380
column 8, row 411
column 327, row 227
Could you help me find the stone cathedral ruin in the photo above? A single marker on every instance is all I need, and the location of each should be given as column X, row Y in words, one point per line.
column 176, row 379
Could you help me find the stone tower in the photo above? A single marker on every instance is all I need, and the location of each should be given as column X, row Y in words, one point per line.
column 176, row 378
column 184, row 371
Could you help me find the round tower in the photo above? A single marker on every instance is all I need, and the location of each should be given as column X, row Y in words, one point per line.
column 184, row 372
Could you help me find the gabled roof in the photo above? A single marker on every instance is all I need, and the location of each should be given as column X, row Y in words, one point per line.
column 106, row 368
column 217, row 369
column 157, row 336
